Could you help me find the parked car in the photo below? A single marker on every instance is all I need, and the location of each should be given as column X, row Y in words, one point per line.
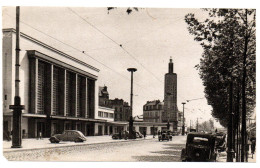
column 174, row 133
column 138, row 135
column 124, row 135
column 68, row 135
column 200, row 147
column 221, row 141
column 193, row 130
column 165, row 135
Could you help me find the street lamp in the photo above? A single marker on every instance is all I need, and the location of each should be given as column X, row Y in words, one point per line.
column 17, row 107
column 183, row 125
column 131, row 136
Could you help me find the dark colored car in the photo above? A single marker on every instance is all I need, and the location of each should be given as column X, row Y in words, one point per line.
column 221, row 141
column 200, row 147
column 120, row 135
column 193, row 130
column 165, row 135
column 68, row 135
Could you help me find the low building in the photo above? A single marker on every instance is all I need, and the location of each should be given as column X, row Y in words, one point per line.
column 105, row 128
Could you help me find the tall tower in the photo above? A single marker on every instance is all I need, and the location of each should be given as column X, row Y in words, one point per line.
column 170, row 97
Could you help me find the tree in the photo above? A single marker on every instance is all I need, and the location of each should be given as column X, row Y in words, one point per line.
column 227, row 37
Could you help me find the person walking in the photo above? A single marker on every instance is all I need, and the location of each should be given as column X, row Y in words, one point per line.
column 144, row 134
column 120, row 135
column 253, row 143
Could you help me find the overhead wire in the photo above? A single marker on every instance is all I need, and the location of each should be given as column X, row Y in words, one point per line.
column 80, row 52
column 120, row 45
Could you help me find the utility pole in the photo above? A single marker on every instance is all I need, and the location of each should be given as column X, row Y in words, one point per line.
column 230, row 150
column 237, row 116
column 131, row 136
column 183, row 122
column 17, row 107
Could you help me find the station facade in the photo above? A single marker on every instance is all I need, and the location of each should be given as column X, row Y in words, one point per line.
column 59, row 91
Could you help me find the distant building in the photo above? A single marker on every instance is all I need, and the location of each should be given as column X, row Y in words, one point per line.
column 170, row 113
column 122, row 108
column 152, row 111
column 103, row 96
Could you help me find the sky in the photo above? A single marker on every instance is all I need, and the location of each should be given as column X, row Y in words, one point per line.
column 145, row 39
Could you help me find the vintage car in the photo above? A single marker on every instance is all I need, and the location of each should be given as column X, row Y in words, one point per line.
column 193, row 130
column 175, row 133
column 200, row 147
column 138, row 134
column 221, row 141
column 165, row 135
column 68, row 135
column 124, row 135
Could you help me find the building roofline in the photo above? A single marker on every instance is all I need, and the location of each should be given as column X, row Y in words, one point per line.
column 106, row 108
column 51, row 48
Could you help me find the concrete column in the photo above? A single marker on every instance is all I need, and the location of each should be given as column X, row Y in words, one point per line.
column 148, row 130
column 136, row 127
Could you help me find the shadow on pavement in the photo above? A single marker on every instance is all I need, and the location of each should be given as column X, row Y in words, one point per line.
column 172, row 153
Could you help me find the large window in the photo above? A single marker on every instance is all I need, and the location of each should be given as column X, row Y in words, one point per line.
column 41, row 89
column 56, row 88
column 69, row 94
column 81, row 96
column 106, row 115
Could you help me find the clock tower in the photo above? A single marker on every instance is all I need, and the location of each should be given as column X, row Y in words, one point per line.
column 170, row 97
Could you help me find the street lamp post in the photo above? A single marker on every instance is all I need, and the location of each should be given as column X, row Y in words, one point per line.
column 17, row 107
column 183, row 125
column 131, row 136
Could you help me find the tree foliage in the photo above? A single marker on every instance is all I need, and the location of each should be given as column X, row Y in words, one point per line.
column 226, row 36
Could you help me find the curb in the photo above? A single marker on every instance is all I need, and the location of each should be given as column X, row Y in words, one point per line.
column 68, row 146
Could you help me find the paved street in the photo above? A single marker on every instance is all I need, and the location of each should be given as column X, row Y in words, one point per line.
column 147, row 150
column 120, row 150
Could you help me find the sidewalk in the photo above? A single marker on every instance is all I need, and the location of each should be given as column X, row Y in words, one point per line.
column 31, row 144
column 223, row 157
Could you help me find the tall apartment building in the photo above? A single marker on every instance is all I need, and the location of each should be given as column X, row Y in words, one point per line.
column 152, row 111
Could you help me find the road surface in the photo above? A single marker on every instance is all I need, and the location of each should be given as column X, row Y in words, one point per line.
column 147, row 150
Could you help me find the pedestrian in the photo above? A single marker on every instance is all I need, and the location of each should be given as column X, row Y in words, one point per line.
column 39, row 135
column 120, row 135
column 253, row 143
column 247, row 149
column 144, row 134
